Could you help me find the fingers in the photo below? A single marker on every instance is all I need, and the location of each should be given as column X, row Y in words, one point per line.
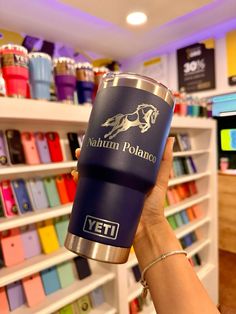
column 166, row 164
column 77, row 153
column 75, row 175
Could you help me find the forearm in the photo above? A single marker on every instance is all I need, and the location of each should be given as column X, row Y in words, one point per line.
column 173, row 284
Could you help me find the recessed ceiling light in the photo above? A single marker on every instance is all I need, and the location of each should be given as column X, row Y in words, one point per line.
column 136, row 18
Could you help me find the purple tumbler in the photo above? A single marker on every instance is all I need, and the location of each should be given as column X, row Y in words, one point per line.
column 65, row 79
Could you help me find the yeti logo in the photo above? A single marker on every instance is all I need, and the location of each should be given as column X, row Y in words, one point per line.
column 143, row 117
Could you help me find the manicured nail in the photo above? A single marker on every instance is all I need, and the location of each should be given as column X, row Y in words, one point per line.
column 73, row 172
column 77, row 150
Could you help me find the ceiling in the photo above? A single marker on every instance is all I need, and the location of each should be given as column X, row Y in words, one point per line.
column 98, row 27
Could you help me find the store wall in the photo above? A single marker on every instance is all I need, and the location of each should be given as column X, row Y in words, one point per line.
column 222, row 86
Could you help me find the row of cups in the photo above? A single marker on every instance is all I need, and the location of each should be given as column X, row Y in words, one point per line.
column 21, row 69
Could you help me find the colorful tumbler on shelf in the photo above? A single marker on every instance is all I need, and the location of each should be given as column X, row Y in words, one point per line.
column 40, row 65
column 15, row 69
column 2, row 85
column 118, row 165
column 98, row 74
column 65, row 79
column 84, row 82
column 224, row 163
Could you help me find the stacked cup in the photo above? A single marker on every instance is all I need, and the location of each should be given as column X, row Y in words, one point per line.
column 98, row 74
column 84, row 82
column 65, row 79
column 40, row 65
column 14, row 59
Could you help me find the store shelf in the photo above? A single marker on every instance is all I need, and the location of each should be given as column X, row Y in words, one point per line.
column 204, row 270
column 134, row 291
column 190, row 201
column 192, row 123
column 185, row 229
column 62, row 297
column 191, row 152
column 104, row 308
column 188, row 178
column 34, row 265
column 24, row 110
column 197, row 247
column 33, row 217
column 28, row 169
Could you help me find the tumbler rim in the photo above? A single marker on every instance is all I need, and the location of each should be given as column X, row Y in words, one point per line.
column 13, row 46
column 84, row 65
column 101, row 69
column 63, row 59
column 139, row 81
column 39, row 54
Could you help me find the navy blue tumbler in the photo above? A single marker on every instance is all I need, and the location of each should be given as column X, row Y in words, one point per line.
column 84, row 82
column 118, row 165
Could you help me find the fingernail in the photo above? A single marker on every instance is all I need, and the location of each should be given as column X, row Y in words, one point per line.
column 77, row 150
column 73, row 172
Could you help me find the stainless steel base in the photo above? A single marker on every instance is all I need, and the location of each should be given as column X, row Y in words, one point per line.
column 95, row 250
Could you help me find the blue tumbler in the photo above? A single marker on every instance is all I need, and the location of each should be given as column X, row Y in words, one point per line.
column 118, row 165
column 40, row 66
column 84, row 82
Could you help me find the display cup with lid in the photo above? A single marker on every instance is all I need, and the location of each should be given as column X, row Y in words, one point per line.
column 84, row 82
column 14, row 62
column 98, row 74
column 65, row 79
column 40, row 65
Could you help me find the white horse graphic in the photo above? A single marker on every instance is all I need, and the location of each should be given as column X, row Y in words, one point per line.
column 142, row 117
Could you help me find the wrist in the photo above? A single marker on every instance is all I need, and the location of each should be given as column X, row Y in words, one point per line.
column 149, row 223
column 153, row 241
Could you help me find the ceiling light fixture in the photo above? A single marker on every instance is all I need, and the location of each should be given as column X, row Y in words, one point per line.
column 136, row 18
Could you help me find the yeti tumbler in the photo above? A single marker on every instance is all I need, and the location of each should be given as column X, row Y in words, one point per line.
column 118, row 165
column 15, row 69
column 65, row 80
column 84, row 82
column 40, row 65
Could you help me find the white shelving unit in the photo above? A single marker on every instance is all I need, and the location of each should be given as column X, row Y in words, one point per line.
column 68, row 295
column 203, row 139
column 13, row 171
column 35, row 115
column 33, row 217
column 34, row 265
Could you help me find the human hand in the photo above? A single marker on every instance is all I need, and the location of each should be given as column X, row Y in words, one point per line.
column 153, row 210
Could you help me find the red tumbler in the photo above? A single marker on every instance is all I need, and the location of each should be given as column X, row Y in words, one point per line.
column 98, row 74
column 14, row 59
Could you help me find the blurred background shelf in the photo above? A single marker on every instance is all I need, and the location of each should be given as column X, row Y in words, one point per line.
column 34, row 216
column 16, row 171
column 34, row 265
column 62, row 297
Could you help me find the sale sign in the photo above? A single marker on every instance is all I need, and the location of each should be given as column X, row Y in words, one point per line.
column 196, row 66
